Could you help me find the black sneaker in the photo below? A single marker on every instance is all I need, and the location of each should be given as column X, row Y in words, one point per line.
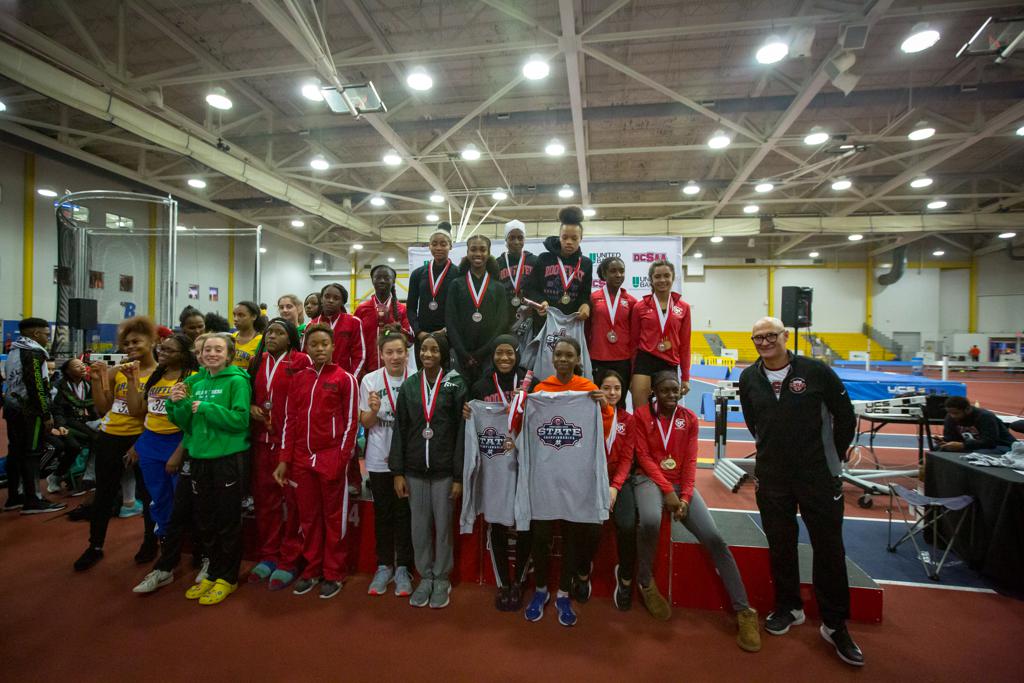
column 148, row 550
column 41, row 507
column 778, row 622
column 623, row 596
column 501, row 599
column 581, row 589
column 844, row 645
column 91, row 556
column 82, row 513
column 14, row 503
column 515, row 597
column 328, row 589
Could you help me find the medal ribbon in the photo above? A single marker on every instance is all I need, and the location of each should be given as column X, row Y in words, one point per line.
column 477, row 297
column 382, row 305
column 611, row 435
column 613, row 306
column 662, row 319
column 517, row 278
column 269, row 374
column 501, row 392
column 435, row 285
column 566, row 282
column 387, row 388
column 429, row 397
column 665, row 438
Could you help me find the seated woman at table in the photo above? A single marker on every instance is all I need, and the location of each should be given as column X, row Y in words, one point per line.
column 973, row 429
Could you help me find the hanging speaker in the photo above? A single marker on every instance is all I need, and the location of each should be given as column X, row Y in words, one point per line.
column 796, row 306
column 82, row 314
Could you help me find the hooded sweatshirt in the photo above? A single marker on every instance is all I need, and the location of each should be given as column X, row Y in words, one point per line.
column 545, row 282
column 28, row 378
column 221, row 425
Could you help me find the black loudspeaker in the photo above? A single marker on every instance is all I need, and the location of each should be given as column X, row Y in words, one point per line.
column 796, row 306
column 82, row 314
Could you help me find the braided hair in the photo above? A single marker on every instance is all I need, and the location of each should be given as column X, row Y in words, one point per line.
column 189, row 364
column 394, row 295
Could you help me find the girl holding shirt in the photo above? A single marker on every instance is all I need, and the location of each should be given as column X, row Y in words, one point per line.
column 118, row 431
column 382, row 309
column 247, row 335
column 609, row 337
column 319, row 441
column 349, row 349
column 666, row 450
column 660, row 330
column 562, row 276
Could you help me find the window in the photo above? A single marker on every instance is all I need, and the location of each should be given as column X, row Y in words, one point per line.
column 80, row 214
column 115, row 221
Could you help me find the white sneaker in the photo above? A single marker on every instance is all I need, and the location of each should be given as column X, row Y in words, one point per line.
column 203, row 571
column 381, row 579
column 52, row 483
column 154, row 580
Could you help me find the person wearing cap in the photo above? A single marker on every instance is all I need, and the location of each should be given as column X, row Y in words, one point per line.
column 515, row 264
column 428, row 286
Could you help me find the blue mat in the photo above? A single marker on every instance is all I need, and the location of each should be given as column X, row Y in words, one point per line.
column 713, row 372
column 866, row 385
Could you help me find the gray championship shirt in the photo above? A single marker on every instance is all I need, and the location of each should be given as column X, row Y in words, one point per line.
column 489, row 472
column 557, row 325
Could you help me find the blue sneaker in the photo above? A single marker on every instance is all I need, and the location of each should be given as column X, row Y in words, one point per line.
column 261, row 571
column 566, row 617
column 535, row 610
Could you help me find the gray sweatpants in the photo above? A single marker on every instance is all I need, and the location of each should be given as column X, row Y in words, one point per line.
column 430, row 508
column 640, row 498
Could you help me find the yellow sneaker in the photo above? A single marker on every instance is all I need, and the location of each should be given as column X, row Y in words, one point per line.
column 749, row 635
column 221, row 590
column 198, row 590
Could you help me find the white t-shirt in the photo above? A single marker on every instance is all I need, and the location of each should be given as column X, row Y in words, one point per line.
column 378, row 437
column 776, row 378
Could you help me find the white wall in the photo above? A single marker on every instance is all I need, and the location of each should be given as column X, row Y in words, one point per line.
column 726, row 298
column 838, row 298
column 954, row 300
column 1000, row 293
column 909, row 305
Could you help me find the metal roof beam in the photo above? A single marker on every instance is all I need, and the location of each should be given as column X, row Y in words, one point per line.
column 570, row 48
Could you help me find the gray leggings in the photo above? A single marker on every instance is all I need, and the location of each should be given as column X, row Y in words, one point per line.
column 640, row 498
column 430, row 508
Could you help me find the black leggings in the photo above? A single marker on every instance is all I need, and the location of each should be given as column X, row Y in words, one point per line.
column 217, row 496
column 579, row 545
column 391, row 522
column 182, row 521
column 110, row 451
column 497, row 536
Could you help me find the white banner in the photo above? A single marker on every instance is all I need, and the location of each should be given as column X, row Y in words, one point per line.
column 636, row 252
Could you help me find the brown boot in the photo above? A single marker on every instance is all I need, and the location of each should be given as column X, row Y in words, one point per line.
column 749, row 636
column 655, row 603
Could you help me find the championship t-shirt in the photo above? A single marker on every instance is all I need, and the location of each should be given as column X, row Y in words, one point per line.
column 489, row 471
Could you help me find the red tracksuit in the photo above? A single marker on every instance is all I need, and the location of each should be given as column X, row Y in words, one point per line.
column 349, row 347
column 277, row 518
column 620, row 457
column 646, row 331
column 599, row 325
column 682, row 446
column 371, row 320
column 319, row 440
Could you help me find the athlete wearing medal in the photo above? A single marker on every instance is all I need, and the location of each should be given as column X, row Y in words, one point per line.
column 660, row 330
column 380, row 310
column 562, row 275
column 428, row 286
column 516, row 264
column 477, row 309
column 665, row 436
column 349, row 349
column 609, row 338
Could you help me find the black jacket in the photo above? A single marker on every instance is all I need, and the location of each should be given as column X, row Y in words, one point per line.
column 469, row 338
column 545, row 284
column 981, row 430
column 808, row 429
column 421, row 318
column 408, row 447
column 508, row 271
column 28, row 384
column 68, row 408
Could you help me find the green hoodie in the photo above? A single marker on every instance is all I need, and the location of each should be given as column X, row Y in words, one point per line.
column 221, row 425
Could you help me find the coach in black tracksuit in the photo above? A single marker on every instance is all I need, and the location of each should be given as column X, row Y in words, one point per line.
column 803, row 422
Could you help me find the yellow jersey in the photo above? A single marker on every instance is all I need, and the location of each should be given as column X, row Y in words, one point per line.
column 156, row 408
column 245, row 352
column 117, row 421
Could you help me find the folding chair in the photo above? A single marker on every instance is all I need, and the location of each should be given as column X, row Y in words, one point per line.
column 933, row 510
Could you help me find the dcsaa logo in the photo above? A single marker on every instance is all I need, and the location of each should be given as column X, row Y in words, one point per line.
column 491, row 442
column 560, row 434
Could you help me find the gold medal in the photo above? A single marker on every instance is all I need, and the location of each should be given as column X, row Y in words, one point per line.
column 668, row 464
column 565, row 299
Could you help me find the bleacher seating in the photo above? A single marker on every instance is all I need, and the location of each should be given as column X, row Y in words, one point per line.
column 844, row 342
column 698, row 344
column 841, row 342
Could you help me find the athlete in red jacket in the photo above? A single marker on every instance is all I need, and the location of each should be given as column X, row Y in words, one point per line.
column 319, row 440
column 382, row 308
column 660, row 331
column 349, row 348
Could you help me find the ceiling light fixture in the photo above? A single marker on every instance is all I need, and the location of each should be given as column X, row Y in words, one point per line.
column 566, row 192
column 764, row 187
column 319, row 163
column 921, row 38
column 855, row 237
column 181, row 228
column 938, row 252
column 751, row 208
column 499, row 195
column 691, row 188
column 938, row 204
column 536, row 68
column 197, row 183
column 3, row 107
column 720, row 140
column 432, row 218
column 922, row 131
column 1020, row 131
column 716, row 239
column 311, row 90
column 921, row 181
column 773, row 51
column 842, row 184
column 377, row 200
column 263, row 250
column 814, row 254
column 46, row 192
column 1007, row 235
column 817, row 136
column 296, row 223
column 554, row 148
column 318, row 261
column 419, row 79
column 589, row 213
column 391, row 259
column 392, row 158
column 436, row 197
column 470, row 152
column 357, row 246
column 698, row 254
column 218, row 99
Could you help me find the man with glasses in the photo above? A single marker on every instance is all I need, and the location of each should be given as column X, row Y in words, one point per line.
column 803, row 422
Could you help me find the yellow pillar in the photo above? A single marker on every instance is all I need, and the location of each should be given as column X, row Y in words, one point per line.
column 231, row 275
column 28, row 244
column 771, row 290
column 869, row 272
column 353, row 296
column 151, row 282
column 972, row 304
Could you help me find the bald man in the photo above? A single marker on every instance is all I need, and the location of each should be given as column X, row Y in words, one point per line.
column 802, row 420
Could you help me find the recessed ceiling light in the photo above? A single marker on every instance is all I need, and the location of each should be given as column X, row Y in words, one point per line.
column 392, row 158
column 3, row 107
column 565, row 192
column 419, row 79
column 1007, row 235
column 180, row 227
column 922, row 181
column 938, row 252
column 938, row 204
column 716, row 239
column 589, row 213
column 432, row 218
column 691, row 188
column 921, row 38
column 719, row 140
column 437, row 197
column 855, row 237
column 751, row 208
column 698, row 254
column 763, row 187
column 263, row 250
column 814, row 254
column 319, row 163
column 817, row 136
column 536, row 68
column 46, row 192
column 391, row 259
column 296, row 223
column 470, row 152
column 311, row 90
column 921, row 132
column 842, row 184
column 846, row 146
column 357, row 246
column 218, row 99
column 377, row 200
column 197, row 183
column 554, row 148
column 499, row 195
column 774, row 50
column 885, row 265
column 318, row 261
column 1020, row 131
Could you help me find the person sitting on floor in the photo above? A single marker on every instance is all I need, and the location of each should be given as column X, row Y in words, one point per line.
column 971, row 429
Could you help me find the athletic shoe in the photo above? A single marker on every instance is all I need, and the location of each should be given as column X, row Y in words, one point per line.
column 204, row 571
column 198, row 590
column 14, row 503
column 501, row 599
column 778, row 623
column 655, row 602
column 421, row 596
column 218, row 593
column 328, row 589
column 280, row 579
column 148, row 551
column 563, row 605
column 261, row 571
column 52, row 483
column 749, row 636
column 403, row 582
column 535, row 610
column 515, row 597
column 623, row 595
column 82, row 513
column 304, row 585
column 440, row 594
column 379, row 585
column 91, row 556
column 41, row 507
column 154, row 580
column 133, row 510
column 844, row 645
column 581, row 589
column 76, row 492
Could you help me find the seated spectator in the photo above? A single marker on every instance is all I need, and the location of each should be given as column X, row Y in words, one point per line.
column 970, row 429
column 72, row 412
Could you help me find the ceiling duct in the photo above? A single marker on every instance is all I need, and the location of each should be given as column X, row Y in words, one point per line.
column 899, row 266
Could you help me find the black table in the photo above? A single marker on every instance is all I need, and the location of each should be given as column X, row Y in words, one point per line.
column 994, row 545
column 876, row 422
